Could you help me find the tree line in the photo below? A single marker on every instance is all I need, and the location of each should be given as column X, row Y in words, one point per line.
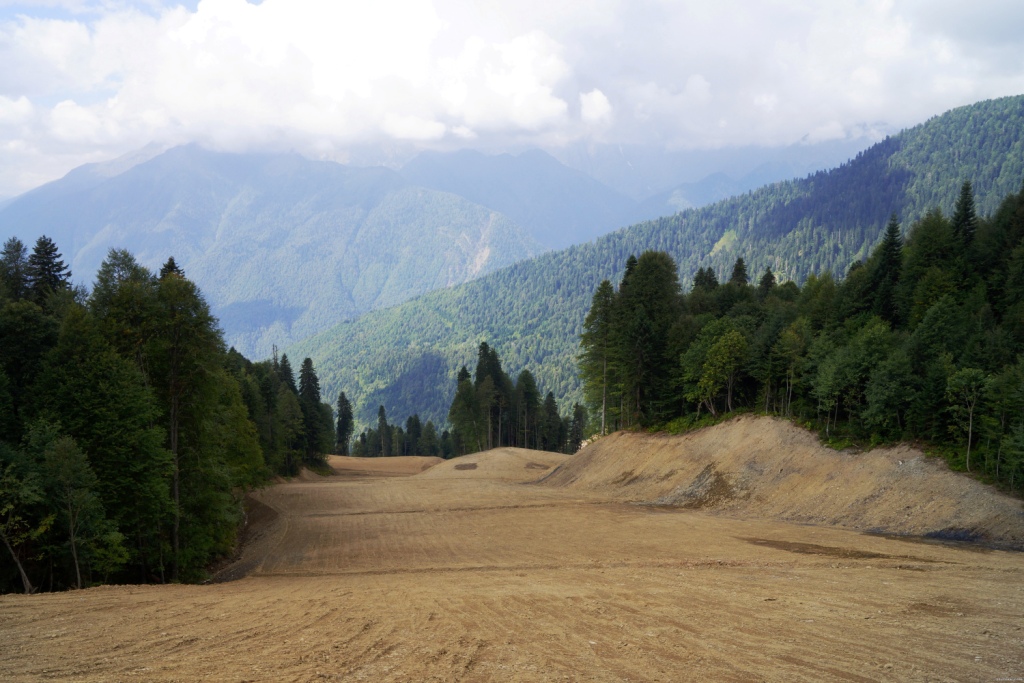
column 415, row 438
column 490, row 411
column 923, row 340
column 128, row 433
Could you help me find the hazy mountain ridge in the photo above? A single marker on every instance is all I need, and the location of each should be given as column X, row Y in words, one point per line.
column 558, row 205
column 532, row 312
column 282, row 246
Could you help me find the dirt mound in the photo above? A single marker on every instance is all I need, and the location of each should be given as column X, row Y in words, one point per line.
column 505, row 464
column 381, row 467
column 765, row 467
column 307, row 475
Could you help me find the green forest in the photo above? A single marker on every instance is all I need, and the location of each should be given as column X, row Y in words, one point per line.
column 489, row 411
column 407, row 357
column 922, row 341
column 128, row 433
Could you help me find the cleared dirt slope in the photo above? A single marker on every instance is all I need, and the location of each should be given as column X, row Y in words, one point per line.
column 765, row 467
column 453, row 579
column 381, row 467
column 506, row 464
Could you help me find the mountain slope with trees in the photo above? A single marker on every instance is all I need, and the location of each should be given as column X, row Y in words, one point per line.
column 922, row 341
column 406, row 357
column 283, row 246
column 128, row 434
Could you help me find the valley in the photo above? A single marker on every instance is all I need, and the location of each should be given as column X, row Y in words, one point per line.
column 490, row 567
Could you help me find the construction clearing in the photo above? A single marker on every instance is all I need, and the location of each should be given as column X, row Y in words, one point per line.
column 741, row 552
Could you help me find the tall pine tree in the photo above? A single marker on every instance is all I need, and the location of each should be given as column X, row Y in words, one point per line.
column 47, row 273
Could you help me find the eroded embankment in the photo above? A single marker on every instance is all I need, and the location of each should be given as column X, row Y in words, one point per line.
column 766, row 467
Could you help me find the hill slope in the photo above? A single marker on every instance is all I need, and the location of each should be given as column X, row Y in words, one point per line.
column 283, row 247
column 768, row 468
column 532, row 312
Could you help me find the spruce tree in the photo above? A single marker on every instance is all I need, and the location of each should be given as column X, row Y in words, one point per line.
column 965, row 219
column 767, row 283
column 597, row 349
column 384, row 430
column 648, row 307
column 551, row 432
column 413, row 433
column 739, row 273
column 345, row 425
column 171, row 268
column 886, row 275
column 47, row 273
column 309, row 402
column 284, row 370
column 14, row 279
column 705, row 279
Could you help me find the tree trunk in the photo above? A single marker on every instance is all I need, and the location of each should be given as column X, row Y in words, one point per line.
column 604, row 394
column 74, row 546
column 970, row 427
column 26, row 584
column 176, row 484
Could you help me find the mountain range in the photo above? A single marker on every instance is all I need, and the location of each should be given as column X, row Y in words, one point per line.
column 285, row 247
column 282, row 246
column 532, row 312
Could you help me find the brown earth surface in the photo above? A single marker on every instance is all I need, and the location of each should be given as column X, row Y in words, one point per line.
column 475, row 574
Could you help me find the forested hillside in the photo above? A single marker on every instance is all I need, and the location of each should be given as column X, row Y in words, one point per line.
column 128, row 434
column 924, row 340
column 406, row 357
column 283, row 246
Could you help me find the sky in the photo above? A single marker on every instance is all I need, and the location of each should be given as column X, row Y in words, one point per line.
column 89, row 80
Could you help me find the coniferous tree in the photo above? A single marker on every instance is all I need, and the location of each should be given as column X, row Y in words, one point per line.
column 552, row 425
column 384, row 431
column 413, row 434
column 965, row 219
column 527, row 410
column 286, row 374
column 14, row 273
column 429, row 442
column 705, row 279
column 170, row 267
column 596, row 349
column 577, row 428
column 47, row 273
column 648, row 307
column 886, row 274
column 309, row 402
column 345, row 425
column 767, row 283
column 739, row 273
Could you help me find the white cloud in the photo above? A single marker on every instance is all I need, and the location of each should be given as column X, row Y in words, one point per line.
column 90, row 79
column 15, row 112
column 595, row 107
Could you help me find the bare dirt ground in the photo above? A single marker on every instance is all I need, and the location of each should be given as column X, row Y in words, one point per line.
column 473, row 574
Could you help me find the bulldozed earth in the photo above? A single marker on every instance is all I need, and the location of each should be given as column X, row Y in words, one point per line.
column 742, row 552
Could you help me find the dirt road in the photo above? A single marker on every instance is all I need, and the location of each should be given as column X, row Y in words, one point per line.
column 470, row 574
